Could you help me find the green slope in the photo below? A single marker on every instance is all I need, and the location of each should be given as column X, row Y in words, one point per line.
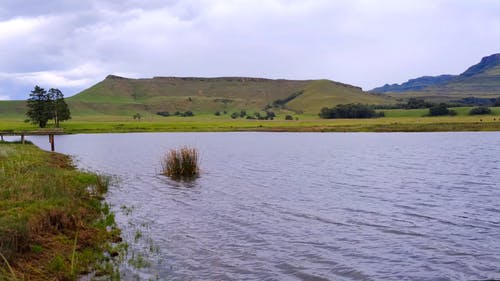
column 119, row 96
column 13, row 109
column 321, row 93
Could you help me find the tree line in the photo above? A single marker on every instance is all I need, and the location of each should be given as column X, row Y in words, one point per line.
column 357, row 110
column 47, row 105
column 352, row 110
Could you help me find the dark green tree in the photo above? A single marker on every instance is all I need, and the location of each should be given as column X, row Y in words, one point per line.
column 60, row 107
column 40, row 107
column 270, row 115
column 440, row 110
column 188, row 113
column 137, row 116
column 44, row 106
column 414, row 103
column 480, row 110
column 352, row 110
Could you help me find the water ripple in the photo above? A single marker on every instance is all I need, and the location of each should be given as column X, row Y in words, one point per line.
column 419, row 206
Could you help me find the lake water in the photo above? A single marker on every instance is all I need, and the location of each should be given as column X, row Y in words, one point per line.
column 304, row 206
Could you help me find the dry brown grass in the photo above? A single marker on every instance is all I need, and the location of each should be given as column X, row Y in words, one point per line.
column 181, row 163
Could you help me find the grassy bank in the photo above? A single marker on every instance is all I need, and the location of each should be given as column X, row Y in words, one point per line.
column 395, row 121
column 53, row 223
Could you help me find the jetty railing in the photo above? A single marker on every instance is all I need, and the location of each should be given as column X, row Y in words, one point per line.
column 50, row 133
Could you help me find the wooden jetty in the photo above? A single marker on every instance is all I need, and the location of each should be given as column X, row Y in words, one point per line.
column 50, row 133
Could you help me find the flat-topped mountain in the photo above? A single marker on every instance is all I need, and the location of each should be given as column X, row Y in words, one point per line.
column 117, row 94
column 481, row 79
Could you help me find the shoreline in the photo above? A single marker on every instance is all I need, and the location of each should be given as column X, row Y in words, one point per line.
column 54, row 222
column 269, row 126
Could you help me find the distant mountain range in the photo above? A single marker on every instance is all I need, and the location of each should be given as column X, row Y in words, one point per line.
column 480, row 80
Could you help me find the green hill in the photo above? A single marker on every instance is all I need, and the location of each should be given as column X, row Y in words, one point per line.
column 117, row 95
column 321, row 93
column 13, row 109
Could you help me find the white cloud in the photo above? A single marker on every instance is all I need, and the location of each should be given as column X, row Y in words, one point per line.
column 75, row 77
column 363, row 42
column 18, row 27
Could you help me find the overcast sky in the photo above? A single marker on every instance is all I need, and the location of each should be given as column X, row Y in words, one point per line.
column 72, row 45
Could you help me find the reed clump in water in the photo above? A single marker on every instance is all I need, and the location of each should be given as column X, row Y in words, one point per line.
column 181, row 163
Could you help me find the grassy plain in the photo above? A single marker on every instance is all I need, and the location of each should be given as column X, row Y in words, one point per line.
column 395, row 121
column 53, row 224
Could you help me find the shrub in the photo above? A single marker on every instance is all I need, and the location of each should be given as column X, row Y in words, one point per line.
column 217, row 113
column 440, row 110
column 235, row 115
column 352, row 110
column 480, row 110
column 288, row 117
column 280, row 103
column 188, row 114
column 414, row 103
column 181, row 163
column 163, row 113
column 184, row 114
column 270, row 115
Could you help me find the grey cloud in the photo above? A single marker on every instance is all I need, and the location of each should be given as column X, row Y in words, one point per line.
column 33, row 8
column 362, row 42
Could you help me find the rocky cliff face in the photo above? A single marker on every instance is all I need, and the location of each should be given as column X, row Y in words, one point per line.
column 416, row 84
column 484, row 65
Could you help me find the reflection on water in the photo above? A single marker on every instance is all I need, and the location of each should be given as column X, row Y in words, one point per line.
column 308, row 206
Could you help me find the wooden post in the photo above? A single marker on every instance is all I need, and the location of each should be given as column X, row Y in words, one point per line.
column 2, row 137
column 51, row 140
column 22, row 138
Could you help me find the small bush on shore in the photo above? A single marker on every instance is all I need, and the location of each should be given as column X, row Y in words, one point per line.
column 480, row 110
column 441, row 110
column 181, row 163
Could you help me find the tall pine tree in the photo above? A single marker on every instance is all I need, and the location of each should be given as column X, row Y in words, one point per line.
column 61, row 109
column 39, row 107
